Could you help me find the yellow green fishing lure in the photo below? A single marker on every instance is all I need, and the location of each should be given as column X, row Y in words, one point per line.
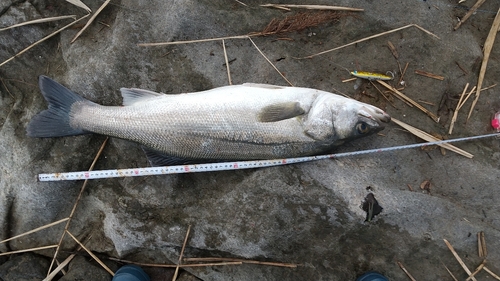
column 371, row 75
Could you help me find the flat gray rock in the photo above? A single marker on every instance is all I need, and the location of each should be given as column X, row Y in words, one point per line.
column 308, row 214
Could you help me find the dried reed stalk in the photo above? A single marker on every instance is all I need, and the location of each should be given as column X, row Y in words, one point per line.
column 175, row 265
column 28, row 250
column 80, row 4
column 239, row 2
column 39, row 21
column 491, row 273
column 35, row 230
column 59, row 268
column 63, row 264
column 279, row 264
column 479, row 268
column 416, row 104
column 427, row 137
column 275, row 68
column 75, row 205
column 462, row 102
column 297, row 22
column 312, row 7
column 469, row 13
column 449, row 272
column 41, row 40
column 459, row 259
column 488, row 45
column 403, row 73
column 181, row 253
column 481, row 245
column 455, row 113
column 393, row 50
column 91, row 254
column 91, row 20
column 430, row 75
column 371, row 37
column 382, row 93
column 195, row 41
column 406, row 271
column 227, row 62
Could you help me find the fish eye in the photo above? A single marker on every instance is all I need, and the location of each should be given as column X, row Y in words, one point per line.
column 362, row 128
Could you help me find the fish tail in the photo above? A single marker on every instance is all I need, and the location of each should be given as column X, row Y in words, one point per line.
column 55, row 121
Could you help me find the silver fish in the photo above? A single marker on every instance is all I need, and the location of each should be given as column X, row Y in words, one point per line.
column 241, row 122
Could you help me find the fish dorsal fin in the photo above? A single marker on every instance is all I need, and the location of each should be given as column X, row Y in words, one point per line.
column 132, row 95
column 263, row 86
column 280, row 111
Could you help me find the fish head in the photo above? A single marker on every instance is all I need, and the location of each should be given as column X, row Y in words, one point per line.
column 336, row 119
column 355, row 119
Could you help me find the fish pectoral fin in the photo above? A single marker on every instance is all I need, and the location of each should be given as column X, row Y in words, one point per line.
column 159, row 159
column 280, row 111
column 132, row 95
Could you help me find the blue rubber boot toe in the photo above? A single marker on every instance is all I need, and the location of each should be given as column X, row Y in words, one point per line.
column 130, row 273
column 372, row 276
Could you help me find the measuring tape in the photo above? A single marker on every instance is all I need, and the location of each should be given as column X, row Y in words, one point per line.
column 195, row 168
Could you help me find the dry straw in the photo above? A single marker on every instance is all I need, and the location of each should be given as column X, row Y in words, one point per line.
column 275, row 68
column 181, row 253
column 469, row 13
column 212, row 259
column 296, row 22
column 460, row 261
column 75, row 205
column 28, row 250
column 406, row 271
column 91, row 20
column 427, row 137
column 406, row 98
column 80, row 4
column 35, row 230
column 227, row 63
column 288, row 7
column 91, row 254
column 39, row 21
column 41, row 40
column 371, row 37
column 429, row 75
column 488, row 45
column 461, row 103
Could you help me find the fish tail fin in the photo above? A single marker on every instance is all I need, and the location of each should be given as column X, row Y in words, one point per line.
column 55, row 121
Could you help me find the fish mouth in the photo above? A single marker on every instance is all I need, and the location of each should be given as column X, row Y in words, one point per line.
column 376, row 114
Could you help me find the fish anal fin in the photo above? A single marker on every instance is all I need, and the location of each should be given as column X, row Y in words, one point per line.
column 280, row 111
column 132, row 95
column 158, row 159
